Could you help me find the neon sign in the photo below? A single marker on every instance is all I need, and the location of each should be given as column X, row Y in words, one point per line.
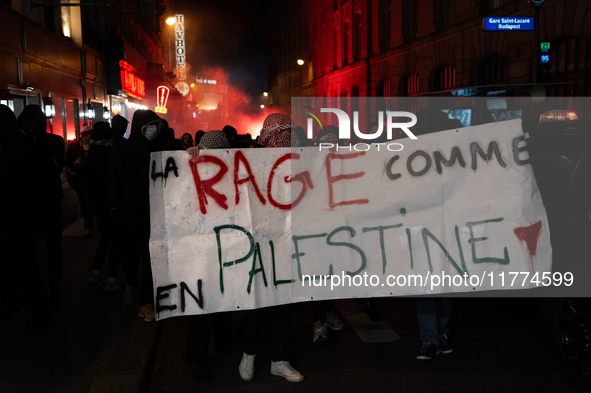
column 131, row 83
column 179, row 39
column 162, row 98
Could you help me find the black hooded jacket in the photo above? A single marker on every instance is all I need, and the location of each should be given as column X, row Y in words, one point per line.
column 48, row 150
column 129, row 165
column 97, row 161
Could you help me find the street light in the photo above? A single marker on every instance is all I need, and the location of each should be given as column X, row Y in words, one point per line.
column 262, row 106
column 301, row 60
column 265, row 94
column 90, row 110
column 49, row 107
column 170, row 20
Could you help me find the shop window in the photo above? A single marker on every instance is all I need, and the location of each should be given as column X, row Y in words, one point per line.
column 57, row 122
column 70, row 121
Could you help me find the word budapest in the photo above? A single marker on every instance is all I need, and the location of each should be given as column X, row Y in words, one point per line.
column 240, row 229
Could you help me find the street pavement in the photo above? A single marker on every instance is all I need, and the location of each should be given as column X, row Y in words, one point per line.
column 97, row 344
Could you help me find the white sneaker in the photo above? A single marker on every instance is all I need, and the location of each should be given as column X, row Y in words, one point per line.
column 284, row 369
column 246, row 368
column 333, row 322
column 319, row 332
column 128, row 295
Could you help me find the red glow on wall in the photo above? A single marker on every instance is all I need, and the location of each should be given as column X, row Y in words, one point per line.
column 130, row 82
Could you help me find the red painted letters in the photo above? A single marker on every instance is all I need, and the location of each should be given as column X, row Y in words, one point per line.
column 206, row 186
column 333, row 179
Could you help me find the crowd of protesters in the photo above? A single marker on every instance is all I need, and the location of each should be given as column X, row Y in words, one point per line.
column 110, row 175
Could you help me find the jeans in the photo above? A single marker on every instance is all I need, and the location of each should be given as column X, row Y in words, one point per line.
column 433, row 315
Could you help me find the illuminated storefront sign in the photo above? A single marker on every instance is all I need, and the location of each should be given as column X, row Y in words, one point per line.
column 162, row 98
column 507, row 24
column 131, row 83
column 182, row 87
column 180, row 54
column 206, row 81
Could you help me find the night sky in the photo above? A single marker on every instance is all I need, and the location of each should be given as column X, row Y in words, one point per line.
column 228, row 34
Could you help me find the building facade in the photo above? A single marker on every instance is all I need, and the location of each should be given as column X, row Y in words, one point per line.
column 361, row 48
column 86, row 61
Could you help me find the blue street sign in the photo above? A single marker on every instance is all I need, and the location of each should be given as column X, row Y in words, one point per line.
column 545, row 59
column 512, row 23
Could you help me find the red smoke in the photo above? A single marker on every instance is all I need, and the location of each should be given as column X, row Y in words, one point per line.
column 215, row 105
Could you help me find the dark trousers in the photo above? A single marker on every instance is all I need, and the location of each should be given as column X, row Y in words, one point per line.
column 281, row 329
column 105, row 247
column 50, row 228
column 132, row 238
column 85, row 209
column 199, row 332
column 320, row 308
column 21, row 281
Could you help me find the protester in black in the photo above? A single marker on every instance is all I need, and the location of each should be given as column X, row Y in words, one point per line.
column 119, row 128
column 276, row 132
column 187, row 140
column 95, row 174
column 202, row 327
column 76, row 161
column 20, row 170
column 129, row 197
column 49, row 150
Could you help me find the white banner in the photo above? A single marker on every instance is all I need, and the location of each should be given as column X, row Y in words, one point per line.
column 454, row 211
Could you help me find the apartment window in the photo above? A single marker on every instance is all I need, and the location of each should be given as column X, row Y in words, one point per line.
column 357, row 36
column 442, row 13
column 488, row 5
column 445, row 79
column 335, row 48
column 409, row 21
column 385, row 24
column 345, row 42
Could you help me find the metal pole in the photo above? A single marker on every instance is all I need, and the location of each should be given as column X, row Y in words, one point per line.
column 536, row 46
